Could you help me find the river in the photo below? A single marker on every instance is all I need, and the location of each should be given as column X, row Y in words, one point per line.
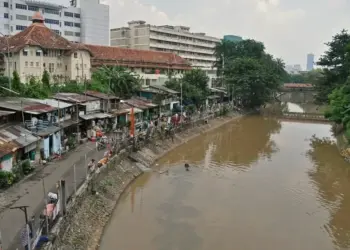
column 255, row 183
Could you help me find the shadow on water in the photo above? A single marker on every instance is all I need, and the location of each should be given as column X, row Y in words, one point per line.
column 331, row 176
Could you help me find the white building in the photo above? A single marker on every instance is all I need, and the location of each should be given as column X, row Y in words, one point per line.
column 293, row 69
column 196, row 48
column 86, row 21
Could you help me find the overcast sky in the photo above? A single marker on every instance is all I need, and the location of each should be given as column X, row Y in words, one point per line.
column 289, row 28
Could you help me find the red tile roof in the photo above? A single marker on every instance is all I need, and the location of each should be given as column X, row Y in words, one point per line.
column 37, row 34
column 104, row 55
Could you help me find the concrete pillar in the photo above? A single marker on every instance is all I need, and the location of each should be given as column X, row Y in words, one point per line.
column 63, row 197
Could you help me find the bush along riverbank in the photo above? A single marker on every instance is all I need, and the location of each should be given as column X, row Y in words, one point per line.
column 83, row 224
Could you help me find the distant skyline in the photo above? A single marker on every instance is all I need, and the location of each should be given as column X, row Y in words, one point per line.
column 289, row 29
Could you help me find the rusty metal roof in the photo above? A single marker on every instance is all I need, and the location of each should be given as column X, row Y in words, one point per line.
column 27, row 105
column 100, row 95
column 7, row 147
column 74, row 97
column 19, row 135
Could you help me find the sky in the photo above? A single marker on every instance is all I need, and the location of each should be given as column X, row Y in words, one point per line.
column 290, row 29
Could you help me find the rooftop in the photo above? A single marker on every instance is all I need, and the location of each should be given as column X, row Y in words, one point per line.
column 54, row 103
column 136, row 58
column 74, row 97
column 30, row 106
column 101, row 95
column 162, row 89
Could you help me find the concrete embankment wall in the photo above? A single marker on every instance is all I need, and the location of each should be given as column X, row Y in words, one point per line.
column 83, row 225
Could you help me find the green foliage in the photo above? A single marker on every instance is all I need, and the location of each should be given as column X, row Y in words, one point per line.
column 304, row 77
column 119, row 80
column 194, row 86
column 16, row 82
column 251, row 75
column 46, row 80
column 6, row 179
column 336, row 66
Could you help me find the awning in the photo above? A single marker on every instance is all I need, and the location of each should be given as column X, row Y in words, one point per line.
column 95, row 116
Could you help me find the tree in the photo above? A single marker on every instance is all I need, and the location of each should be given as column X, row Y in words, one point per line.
column 336, row 66
column 252, row 82
column 46, row 80
column 16, row 82
column 121, row 81
column 251, row 74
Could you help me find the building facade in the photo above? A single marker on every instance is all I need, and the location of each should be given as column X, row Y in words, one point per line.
column 310, row 59
column 87, row 21
column 196, row 48
column 38, row 48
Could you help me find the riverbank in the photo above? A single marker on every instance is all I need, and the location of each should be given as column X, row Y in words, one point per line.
column 84, row 223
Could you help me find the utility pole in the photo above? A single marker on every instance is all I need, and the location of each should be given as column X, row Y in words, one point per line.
column 181, row 98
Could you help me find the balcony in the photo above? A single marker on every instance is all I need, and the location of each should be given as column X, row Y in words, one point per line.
column 183, row 41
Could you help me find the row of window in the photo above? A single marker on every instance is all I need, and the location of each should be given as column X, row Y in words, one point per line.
column 71, row 24
column 71, row 33
column 70, row 14
column 52, row 65
column 46, row 10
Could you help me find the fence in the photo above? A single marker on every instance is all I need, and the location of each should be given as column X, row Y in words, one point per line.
column 78, row 173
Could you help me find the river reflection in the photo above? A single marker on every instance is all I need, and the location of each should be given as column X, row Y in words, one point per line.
column 255, row 183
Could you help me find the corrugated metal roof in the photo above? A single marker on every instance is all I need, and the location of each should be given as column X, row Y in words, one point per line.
column 54, row 103
column 21, row 136
column 7, row 147
column 5, row 113
column 74, row 97
column 30, row 106
column 95, row 116
column 101, row 95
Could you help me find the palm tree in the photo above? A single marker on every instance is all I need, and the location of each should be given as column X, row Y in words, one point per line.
column 121, row 82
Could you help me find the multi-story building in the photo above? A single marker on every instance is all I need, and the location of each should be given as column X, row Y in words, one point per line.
column 233, row 38
column 86, row 21
column 310, row 58
column 37, row 48
column 196, row 48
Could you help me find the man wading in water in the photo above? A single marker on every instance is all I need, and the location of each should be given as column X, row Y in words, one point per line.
column 187, row 167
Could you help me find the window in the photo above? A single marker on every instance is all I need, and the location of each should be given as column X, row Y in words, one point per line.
column 20, row 27
column 57, row 32
column 69, row 33
column 51, row 11
column 37, row 53
column 77, row 34
column 52, row 21
column 11, row 28
column 6, row 4
column 31, row 64
column 66, row 67
column 21, row 6
column 51, row 67
column 26, row 64
column 21, row 17
column 75, row 55
column 6, row 15
column 77, row 25
column 37, row 64
column 25, row 52
column 70, row 24
column 33, row 8
column 69, row 14
column 77, row 15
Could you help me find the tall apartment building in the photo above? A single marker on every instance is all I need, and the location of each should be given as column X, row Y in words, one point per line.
column 85, row 21
column 310, row 58
column 196, row 48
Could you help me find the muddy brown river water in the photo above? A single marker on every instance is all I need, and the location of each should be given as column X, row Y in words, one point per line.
column 254, row 184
